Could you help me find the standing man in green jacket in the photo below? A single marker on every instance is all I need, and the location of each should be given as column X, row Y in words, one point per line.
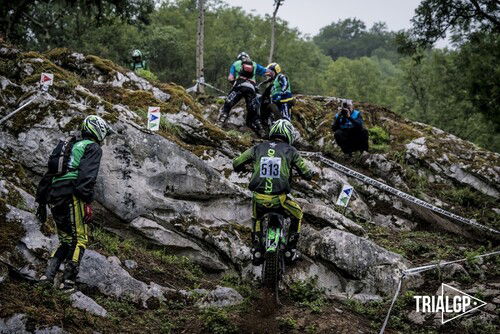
column 68, row 189
column 273, row 162
column 242, row 75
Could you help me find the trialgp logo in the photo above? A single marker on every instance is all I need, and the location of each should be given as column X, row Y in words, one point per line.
column 452, row 303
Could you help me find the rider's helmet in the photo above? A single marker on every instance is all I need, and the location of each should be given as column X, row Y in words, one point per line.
column 137, row 54
column 95, row 127
column 282, row 129
column 242, row 56
column 275, row 67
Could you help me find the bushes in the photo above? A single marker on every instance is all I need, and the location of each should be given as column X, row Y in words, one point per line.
column 379, row 138
column 307, row 294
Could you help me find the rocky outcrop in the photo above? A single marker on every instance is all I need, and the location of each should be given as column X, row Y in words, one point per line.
column 361, row 267
column 176, row 188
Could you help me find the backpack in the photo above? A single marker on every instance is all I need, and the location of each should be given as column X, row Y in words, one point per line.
column 247, row 69
column 59, row 158
column 58, row 165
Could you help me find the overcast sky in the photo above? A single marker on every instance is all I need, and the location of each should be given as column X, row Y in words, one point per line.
column 309, row 16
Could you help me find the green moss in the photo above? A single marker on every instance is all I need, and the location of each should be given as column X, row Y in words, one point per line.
column 10, row 231
column 15, row 173
column 58, row 54
column 14, row 198
column 148, row 75
column 106, row 66
column 63, row 79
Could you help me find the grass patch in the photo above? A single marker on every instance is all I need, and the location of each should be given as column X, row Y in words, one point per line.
column 287, row 323
column 155, row 263
column 307, row 294
column 217, row 321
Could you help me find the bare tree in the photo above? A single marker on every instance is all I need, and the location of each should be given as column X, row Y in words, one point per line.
column 277, row 4
column 200, row 37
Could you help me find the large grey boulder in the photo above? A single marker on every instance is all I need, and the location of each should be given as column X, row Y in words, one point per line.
column 16, row 324
column 177, row 243
column 34, row 239
column 112, row 280
column 143, row 173
column 363, row 267
column 220, row 297
column 456, row 159
column 326, row 216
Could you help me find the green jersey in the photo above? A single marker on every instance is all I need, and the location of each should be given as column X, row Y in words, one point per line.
column 272, row 167
column 76, row 155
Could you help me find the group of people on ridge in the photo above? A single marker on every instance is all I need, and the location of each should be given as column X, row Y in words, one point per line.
column 68, row 186
column 276, row 101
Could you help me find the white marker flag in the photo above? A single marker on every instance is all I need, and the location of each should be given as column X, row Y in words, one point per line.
column 154, row 118
column 345, row 195
column 47, row 79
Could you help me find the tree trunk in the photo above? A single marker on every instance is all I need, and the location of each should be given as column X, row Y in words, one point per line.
column 277, row 4
column 200, row 36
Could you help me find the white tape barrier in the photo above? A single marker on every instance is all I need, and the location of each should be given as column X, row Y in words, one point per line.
column 417, row 270
column 396, row 192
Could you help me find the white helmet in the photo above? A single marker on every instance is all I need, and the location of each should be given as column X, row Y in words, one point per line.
column 242, row 56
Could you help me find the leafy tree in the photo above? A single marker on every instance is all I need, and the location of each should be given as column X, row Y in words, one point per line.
column 434, row 18
column 43, row 24
column 350, row 38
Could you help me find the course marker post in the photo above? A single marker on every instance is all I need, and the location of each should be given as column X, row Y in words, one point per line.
column 154, row 116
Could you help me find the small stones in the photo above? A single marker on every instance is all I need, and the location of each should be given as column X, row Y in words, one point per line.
column 83, row 302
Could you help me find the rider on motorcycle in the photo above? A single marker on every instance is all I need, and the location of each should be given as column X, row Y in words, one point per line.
column 273, row 162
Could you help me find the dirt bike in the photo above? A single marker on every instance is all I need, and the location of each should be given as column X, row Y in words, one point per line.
column 275, row 230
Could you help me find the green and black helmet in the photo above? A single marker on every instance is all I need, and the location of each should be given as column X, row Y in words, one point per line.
column 136, row 53
column 96, row 127
column 282, row 129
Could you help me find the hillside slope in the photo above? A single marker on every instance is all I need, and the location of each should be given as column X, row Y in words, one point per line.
column 171, row 240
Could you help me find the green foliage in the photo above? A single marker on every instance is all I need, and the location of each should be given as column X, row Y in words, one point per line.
column 307, row 294
column 478, row 326
column 287, row 323
column 379, row 138
column 146, row 74
column 350, row 38
column 434, row 18
column 217, row 321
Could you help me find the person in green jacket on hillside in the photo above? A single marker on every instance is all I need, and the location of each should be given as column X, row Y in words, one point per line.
column 137, row 62
column 242, row 75
column 281, row 92
column 68, row 189
column 273, row 162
